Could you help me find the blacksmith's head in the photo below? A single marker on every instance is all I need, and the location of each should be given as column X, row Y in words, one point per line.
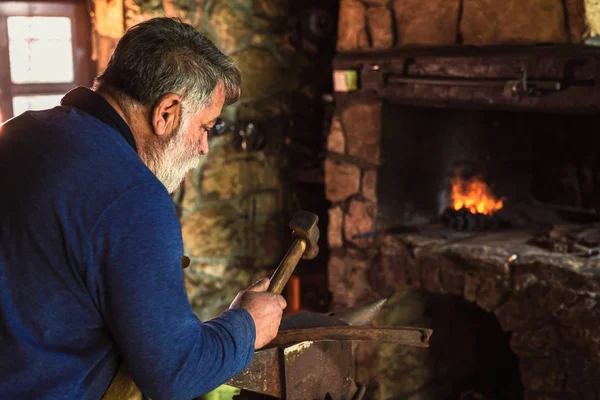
column 171, row 83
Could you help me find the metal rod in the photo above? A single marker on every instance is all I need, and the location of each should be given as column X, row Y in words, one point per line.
column 409, row 336
column 439, row 81
column 286, row 266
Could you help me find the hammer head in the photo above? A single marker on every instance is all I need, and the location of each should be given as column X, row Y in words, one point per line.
column 304, row 225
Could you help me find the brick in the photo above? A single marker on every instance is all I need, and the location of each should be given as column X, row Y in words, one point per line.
column 334, row 227
column 359, row 220
column 432, row 22
column 379, row 20
column 368, row 187
column 362, row 125
column 342, row 180
column 489, row 22
column 352, row 34
column 336, row 143
column 576, row 18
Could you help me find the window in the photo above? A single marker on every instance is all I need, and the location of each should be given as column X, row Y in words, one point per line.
column 44, row 53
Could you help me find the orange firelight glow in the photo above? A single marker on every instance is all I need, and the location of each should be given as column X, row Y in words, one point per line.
column 474, row 195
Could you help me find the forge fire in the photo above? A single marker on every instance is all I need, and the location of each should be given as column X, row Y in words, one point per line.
column 475, row 195
column 472, row 206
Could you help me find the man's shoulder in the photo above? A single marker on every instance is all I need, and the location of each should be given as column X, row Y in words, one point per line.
column 75, row 142
column 71, row 156
column 70, row 128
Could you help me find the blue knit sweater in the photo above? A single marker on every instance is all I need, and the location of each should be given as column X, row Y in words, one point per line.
column 90, row 272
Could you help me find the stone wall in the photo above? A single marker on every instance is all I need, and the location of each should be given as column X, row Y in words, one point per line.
column 350, row 179
column 385, row 24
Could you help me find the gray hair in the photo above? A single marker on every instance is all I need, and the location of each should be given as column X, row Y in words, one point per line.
column 164, row 55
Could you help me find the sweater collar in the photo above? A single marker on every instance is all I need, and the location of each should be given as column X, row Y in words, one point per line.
column 95, row 105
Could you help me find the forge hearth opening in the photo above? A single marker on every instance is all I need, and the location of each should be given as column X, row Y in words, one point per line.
column 525, row 158
column 472, row 353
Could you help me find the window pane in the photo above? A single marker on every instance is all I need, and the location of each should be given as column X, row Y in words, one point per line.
column 41, row 102
column 40, row 49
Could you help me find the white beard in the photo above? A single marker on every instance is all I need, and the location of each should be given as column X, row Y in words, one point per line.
column 172, row 159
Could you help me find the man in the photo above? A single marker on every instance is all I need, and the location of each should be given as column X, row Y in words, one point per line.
column 90, row 245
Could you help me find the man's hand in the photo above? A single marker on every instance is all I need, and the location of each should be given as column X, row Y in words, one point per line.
column 265, row 308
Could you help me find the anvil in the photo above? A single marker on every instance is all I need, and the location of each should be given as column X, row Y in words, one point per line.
column 312, row 356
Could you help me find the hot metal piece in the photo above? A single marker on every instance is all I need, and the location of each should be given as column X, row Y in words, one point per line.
column 355, row 316
column 360, row 315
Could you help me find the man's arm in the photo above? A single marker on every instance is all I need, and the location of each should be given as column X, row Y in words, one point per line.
column 135, row 252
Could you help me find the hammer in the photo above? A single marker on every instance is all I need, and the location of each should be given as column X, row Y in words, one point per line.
column 306, row 234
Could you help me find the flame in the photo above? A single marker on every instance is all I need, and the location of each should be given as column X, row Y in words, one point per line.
column 474, row 195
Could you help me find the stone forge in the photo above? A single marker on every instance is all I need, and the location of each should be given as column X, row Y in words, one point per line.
column 514, row 311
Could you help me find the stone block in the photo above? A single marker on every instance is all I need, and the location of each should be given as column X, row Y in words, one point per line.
column 352, row 33
column 413, row 274
column 342, row 180
column 592, row 16
column 582, row 377
column 391, row 272
column 359, row 260
column 537, row 343
column 336, row 143
column 490, row 22
column 336, row 276
column 529, row 395
column 491, row 293
column 379, row 20
column 334, row 227
column 369, row 182
column 109, row 18
column 543, row 375
column 430, row 274
column 579, row 323
column 519, row 314
column 359, row 220
column 358, row 290
column 103, row 48
column 471, row 287
column 336, row 270
column 272, row 8
column 362, row 125
column 452, row 280
column 231, row 25
column 576, row 18
column 426, row 23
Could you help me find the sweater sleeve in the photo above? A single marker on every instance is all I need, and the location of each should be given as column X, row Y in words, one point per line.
column 135, row 253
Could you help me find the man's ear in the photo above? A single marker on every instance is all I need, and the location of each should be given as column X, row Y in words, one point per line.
column 165, row 114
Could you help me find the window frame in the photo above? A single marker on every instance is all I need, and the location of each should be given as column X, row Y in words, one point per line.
column 81, row 38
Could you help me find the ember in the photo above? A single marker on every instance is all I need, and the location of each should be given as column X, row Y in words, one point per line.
column 472, row 206
column 474, row 195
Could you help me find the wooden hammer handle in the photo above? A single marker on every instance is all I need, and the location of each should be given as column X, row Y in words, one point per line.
column 286, row 266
